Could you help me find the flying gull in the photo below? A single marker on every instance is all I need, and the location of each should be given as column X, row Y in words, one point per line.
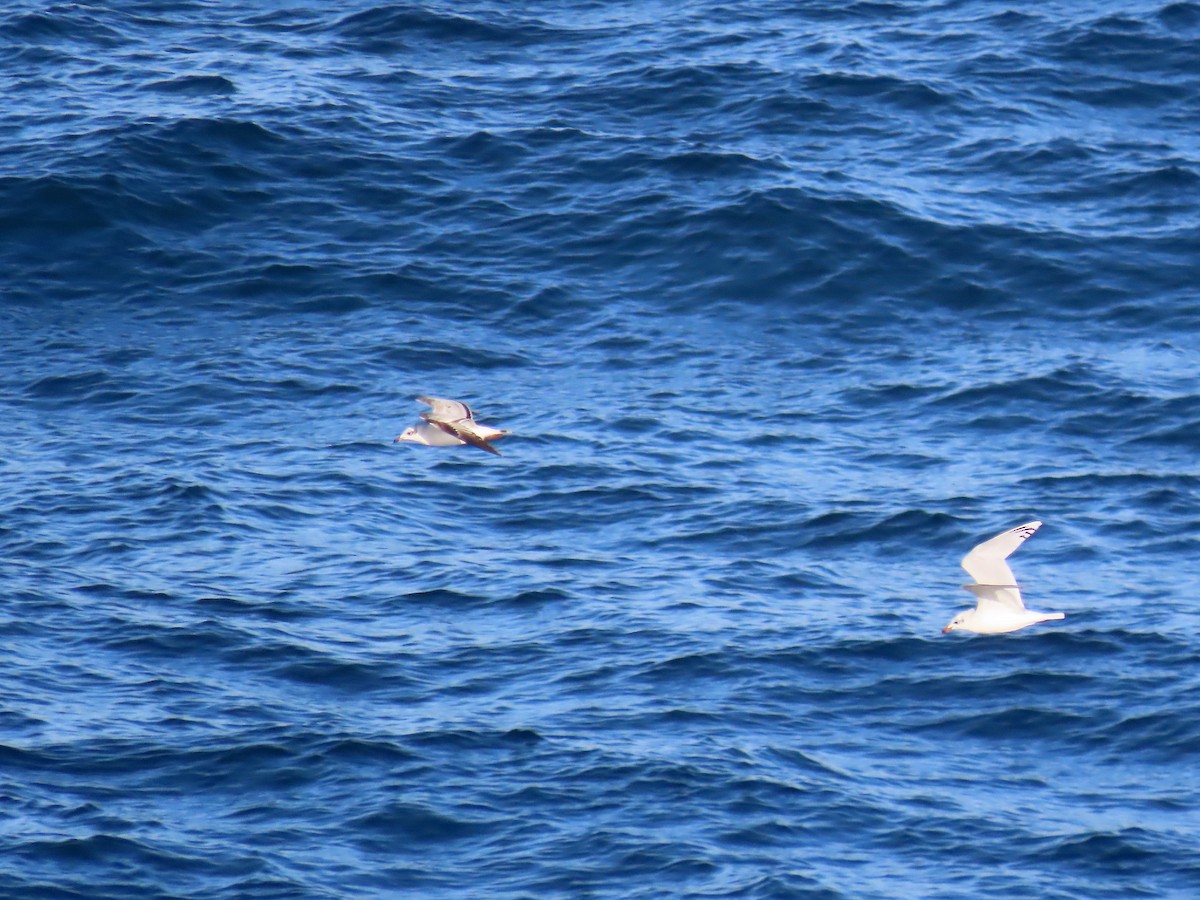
column 450, row 423
column 999, row 608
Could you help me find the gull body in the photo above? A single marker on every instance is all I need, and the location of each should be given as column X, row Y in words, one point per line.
column 999, row 607
column 450, row 423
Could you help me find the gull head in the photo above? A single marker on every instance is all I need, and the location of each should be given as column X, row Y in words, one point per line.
column 409, row 434
column 962, row 620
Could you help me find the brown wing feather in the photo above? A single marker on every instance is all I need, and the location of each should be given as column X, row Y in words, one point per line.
column 467, row 437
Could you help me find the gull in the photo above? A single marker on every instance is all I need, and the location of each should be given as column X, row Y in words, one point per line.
column 450, row 423
column 999, row 608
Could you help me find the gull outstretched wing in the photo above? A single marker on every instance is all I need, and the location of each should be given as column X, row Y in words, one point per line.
column 986, row 562
column 446, row 410
column 464, row 432
column 1006, row 594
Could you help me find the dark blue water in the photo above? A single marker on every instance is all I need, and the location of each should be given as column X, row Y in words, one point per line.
column 788, row 305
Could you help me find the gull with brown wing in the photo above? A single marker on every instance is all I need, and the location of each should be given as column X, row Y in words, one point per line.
column 450, row 423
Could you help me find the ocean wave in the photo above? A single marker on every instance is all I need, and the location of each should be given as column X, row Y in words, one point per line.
column 384, row 29
column 786, row 309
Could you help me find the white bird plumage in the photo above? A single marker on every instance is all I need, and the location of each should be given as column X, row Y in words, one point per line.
column 450, row 423
column 999, row 607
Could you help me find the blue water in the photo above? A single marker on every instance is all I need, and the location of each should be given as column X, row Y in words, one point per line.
column 787, row 305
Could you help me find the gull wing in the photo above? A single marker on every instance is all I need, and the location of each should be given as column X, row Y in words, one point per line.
column 986, row 563
column 464, row 432
column 1006, row 594
column 446, row 410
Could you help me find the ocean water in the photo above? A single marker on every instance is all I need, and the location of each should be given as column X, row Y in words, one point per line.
column 787, row 305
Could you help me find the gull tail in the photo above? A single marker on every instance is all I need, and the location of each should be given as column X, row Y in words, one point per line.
column 1050, row 617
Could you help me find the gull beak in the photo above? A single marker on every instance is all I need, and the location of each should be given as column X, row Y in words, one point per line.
column 947, row 629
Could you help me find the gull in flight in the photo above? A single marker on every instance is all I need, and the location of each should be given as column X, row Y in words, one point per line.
column 999, row 608
column 450, row 423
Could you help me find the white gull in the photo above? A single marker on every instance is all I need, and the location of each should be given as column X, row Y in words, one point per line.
column 450, row 423
column 999, row 607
